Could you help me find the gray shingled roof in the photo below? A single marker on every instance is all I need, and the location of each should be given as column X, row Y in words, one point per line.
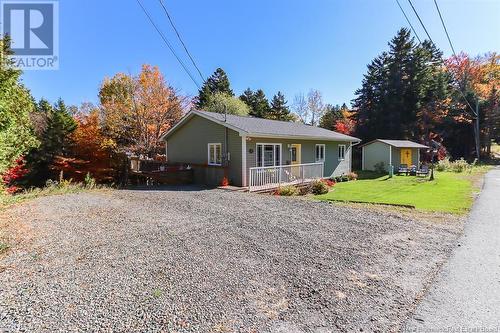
column 398, row 143
column 274, row 128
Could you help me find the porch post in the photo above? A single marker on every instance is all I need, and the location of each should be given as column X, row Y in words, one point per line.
column 244, row 160
column 362, row 158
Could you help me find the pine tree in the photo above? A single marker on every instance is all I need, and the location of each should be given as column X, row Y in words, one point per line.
column 279, row 109
column 257, row 101
column 404, row 92
column 59, row 124
column 261, row 107
column 16, row 104
column 248, row 97
column 218, row 82
column 330, row 117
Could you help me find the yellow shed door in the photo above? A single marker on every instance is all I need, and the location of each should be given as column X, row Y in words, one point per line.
column 406, row 157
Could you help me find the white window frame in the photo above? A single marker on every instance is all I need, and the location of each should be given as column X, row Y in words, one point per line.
column 322, row 147
column 215, row 154
column 274, row 153
column 342, row 158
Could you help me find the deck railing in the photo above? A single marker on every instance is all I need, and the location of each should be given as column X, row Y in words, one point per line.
column 266, row 178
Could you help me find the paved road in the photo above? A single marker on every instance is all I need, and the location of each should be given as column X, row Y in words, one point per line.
column 466, row 294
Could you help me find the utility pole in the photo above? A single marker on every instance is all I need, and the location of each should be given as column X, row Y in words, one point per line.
column 478, row 136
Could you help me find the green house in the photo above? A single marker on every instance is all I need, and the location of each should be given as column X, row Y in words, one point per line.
column 254, row 152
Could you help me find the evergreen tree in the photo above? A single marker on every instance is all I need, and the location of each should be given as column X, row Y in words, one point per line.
column 248, row 97
column 257, row 101
column 260, row 107
column 16, row 104
column 330, row 117
column 279, row 109
column 59, row 124
column 404, row 92
column 218, row 82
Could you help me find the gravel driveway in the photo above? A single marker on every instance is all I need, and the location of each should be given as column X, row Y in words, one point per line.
column 213, row 261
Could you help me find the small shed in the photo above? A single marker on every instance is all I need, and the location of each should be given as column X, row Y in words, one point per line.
column 390, row 152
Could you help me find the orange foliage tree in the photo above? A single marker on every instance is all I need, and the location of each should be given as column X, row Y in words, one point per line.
column 90, row 151
column 479, row 79
column 137, row 110
column 346, row 124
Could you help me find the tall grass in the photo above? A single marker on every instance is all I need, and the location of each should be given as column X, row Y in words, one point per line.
column 51, row 188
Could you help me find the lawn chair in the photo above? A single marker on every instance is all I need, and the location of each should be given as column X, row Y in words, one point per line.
column 403, row 168
column 423, row 172
column 412, row 170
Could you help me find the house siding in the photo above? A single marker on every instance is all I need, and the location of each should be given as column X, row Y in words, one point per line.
column 189, row 144
column 333, row 167
column 374, row 153
column 377, row 152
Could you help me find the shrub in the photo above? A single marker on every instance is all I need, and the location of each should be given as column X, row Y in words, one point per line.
column 459, row 165
column 352, row 176
column 319, row 187
column 225, row 181
column 13, row 175
column 328, row 182
column 443, row 164
column 89, row 181
column 380, row 167
column 288, row 191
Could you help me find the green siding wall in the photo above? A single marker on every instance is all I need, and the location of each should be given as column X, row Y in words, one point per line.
column 333, row 167
column 234, row 147
column 189, row 144
column 379, row 152
column 375, row 153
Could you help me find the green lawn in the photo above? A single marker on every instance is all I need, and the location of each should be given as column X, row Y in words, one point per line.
column 449, row 192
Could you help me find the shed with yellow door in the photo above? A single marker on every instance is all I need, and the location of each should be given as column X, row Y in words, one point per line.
column 382, row 153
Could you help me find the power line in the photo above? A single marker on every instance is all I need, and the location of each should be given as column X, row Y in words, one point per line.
column 420, row 20
column 445, row 30
column 408, row 20
column 429, row 36
column 180, row 39
column 165, row 40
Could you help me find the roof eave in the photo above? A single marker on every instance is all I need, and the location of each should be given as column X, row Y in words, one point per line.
column 420, row 146
column 302, row 137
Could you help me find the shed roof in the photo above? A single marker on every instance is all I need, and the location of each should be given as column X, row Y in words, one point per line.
column 398, row 143
column 258, row 127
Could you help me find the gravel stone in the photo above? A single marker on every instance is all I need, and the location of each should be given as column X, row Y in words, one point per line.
column 191, row 260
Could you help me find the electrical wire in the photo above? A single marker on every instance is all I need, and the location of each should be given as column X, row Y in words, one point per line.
column 165, row 40
column 445, row 30
column 420, row 20
column 429, row 36
column 180, row 39
column 408, row 20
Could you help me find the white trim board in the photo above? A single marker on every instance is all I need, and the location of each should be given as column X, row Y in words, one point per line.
column 274, row 152
column 244, row 161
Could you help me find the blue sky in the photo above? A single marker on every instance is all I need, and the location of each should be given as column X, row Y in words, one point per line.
column 287, row 45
